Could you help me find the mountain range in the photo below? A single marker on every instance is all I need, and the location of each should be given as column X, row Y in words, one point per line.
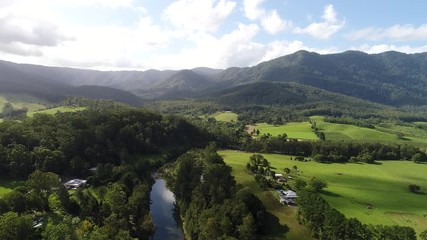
column 389, row 78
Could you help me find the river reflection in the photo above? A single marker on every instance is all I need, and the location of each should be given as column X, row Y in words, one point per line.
column 162, row 210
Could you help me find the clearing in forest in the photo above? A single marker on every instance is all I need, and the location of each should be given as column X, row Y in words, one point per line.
column 295, row 130
column 373, row 193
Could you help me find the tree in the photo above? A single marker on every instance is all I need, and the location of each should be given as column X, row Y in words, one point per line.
column 116, row 197
column 317, row 184
column 13, row 226
column 295, row 168
column 300, row 184
column 247, row 229
column 61, row 231
column 7, row 110
column 414, row 188
column 44, row 181
column 423, row 235
column 419, row 157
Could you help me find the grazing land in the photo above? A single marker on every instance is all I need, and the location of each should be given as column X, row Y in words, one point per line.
column 7, row 186
column 373, row 193
column 298, row 130
column 56, row 110
column 287, row 216
column 23, row 100
column 225, row 116
column 384, row 132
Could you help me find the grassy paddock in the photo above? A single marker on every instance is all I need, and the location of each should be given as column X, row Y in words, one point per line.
column 372, row 193
column 282, row 218
column 53, row 111
column 225, row 116
column 299, row 130
column 7, row 186
column 385, row 132
column 23, row 100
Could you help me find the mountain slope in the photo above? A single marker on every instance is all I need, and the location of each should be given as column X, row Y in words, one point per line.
column 100, row 92
column 185, row 80
column 390, row 78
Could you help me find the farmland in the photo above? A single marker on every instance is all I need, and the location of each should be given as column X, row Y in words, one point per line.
column 384, row 132
column 373, row 193
column 225, row 116
column 298, row 130
column 23, row 100
column 6, row 186
column 56, row 110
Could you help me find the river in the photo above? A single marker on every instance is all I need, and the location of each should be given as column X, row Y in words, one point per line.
column 162, row 210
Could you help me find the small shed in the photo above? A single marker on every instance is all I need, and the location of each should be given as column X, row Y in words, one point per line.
column 279, row 177
column 75, row 183
column 288, row 197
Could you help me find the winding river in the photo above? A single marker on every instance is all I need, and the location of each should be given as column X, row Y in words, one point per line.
column 162, row 210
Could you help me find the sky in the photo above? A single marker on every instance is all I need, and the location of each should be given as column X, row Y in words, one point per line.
column 183, row 34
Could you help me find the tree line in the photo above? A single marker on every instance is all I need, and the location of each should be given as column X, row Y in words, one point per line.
column 211, row 204
column 326, row 151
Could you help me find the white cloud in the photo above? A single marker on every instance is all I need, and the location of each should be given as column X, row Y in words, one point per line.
column 233, row 49
column 270, row 20
column 199, row 15
column 395, row 33
column 16, row 29
column 20, row 49
column 325, row 29
column 379, row 48
column 273, row 23
column 252, row 9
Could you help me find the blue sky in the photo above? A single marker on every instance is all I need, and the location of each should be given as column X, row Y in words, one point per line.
column 166, row 34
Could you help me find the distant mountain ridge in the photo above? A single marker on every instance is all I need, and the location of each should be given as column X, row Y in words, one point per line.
column 389, row 78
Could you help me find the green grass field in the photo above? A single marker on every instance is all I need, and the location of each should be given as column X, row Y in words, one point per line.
column 53, row 111
column 23, row 100
column 385, row 132
column 354, row 187
column 299, row 130
column 282, row 217
column 7, row 186
column 225, row 116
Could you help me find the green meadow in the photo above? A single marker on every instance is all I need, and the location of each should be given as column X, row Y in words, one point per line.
column 23, row 100
column 225, row 116
column 373, row 193
column 298, row 130
column 288, row 227
column 7, row 186
column 55, row 110
column 384, row 132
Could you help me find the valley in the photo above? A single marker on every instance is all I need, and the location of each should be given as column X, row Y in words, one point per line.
column 365, row 139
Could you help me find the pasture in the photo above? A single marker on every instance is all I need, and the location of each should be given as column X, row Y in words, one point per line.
column 225, row 116
column 281, row 216
column 298, row 130
column 55, row 110
column 373, row 193
column 7, row 186
column 384, row 132
column 23, row 100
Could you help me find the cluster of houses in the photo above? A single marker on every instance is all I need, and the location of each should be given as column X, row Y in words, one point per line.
column 286, row 197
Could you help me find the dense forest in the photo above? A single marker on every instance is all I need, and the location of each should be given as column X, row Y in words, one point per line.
column 46, row 150
column 212, row 205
